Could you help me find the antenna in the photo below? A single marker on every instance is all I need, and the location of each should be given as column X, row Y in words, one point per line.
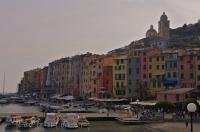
column 4, row 82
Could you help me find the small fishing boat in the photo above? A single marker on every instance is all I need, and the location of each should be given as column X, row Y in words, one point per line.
column 13, row 120
column 83, row 122
column 69, row 121
column 29, row 122
column 51, row 120
column 3, row 101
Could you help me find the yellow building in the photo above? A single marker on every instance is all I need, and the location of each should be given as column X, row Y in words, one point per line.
column 156, row 71
column 120, row 76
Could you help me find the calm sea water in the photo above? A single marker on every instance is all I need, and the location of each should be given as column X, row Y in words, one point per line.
column 98, row 126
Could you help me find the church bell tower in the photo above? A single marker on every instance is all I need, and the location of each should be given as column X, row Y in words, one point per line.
column 163, row 27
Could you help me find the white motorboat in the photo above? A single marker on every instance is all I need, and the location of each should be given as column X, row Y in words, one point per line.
column 70, row 121
column 51, row 120
column 29, row 122
column 13, row 120
column 83, row 122
column 3, row 101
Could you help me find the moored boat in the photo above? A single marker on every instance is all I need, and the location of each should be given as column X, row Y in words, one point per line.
column 51, row 120
column 13, row 120
column 3, row 101
column 29, row 122
column 69, row 121
column 83, row 122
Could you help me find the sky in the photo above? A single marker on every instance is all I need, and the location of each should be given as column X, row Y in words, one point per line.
column 36, row 32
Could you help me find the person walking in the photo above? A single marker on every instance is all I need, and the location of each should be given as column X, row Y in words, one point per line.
column 186, row 125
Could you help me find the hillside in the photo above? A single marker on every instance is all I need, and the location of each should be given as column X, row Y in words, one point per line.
column 186, row 36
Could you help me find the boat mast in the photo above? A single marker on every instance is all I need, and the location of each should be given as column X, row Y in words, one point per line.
column 4, row 82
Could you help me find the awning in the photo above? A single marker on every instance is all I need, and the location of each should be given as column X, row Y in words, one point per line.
column 143, row 103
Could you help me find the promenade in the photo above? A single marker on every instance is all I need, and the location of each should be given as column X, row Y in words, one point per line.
column 173, row 127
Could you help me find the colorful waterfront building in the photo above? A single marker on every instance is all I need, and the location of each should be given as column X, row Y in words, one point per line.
column 106, row 88
column 171, row 79
column 120, row 72
column 197, row 70
column 134, row 83
column 187, row 68
column 60, row 76
column 156, row 70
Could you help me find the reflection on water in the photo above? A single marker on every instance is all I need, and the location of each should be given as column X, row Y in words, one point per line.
column 99, row 126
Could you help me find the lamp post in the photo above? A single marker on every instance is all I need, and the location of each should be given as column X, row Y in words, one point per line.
column 191, row 107
column 137, row 106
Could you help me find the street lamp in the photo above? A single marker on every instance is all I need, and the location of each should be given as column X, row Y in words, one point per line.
column 137, row 101
column 191, row 107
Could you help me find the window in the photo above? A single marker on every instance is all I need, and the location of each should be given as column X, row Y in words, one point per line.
column 175, row 64
column 129, row 60
column 198, row 77
column 163, row 58
column 120, row 77
column 129, row 82
column 137, row 71
column 150, row 59
column 169, row 75
column 157, row 67
column 159, row 84
column 191, row 66
column 129, row 90
column 182, row 76
column 150, row 66
column 174, row 74
column 117, row 84
column 177, row 97
column 122, row 61
column 116, row 76
column 129, row 71
column 154, row 84
column 150, row 75
column 157, row 58
column 115, row 67
column 144, row 76
column 163, row 67
column 198, row 57
column 165, row 96
column 191, row 75
column 182, row 67
column 117, row 62
column 199, row 67
column 119, row 68
column 123, row 76
column 122, row 84
column 144, row 59
column 144, row 67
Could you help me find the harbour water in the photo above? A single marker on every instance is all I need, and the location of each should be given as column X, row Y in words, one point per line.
column 98, row 126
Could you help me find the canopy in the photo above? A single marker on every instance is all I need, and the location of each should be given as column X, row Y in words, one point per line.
column 143, row 103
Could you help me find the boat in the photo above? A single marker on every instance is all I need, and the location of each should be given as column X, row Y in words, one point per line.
column 13, row 120
column 3, row 101
column 83, row 122
column 51, row 120
column 69, row 121
column 29, row 122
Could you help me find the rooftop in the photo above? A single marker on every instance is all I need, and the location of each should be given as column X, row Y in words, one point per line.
column 177, row 91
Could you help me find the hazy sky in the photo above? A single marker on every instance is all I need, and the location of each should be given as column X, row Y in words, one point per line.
column 35, row 32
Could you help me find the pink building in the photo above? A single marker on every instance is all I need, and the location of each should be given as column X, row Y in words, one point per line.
column 144, row 58
column 187, row 69
column 175, row 95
